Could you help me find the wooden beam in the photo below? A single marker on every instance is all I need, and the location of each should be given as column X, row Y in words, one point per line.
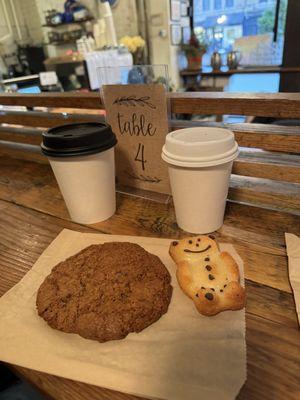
column 55, row 99
column 45, row 119
column 279, row 105
column 243, row 189
column 275, row 166
column 278, row 167
column 261, row 136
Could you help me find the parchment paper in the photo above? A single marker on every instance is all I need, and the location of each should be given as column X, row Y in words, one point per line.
column 184, row 355
column 293, row 252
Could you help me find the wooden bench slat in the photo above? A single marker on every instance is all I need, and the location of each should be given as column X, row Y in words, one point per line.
column 279, row 105
column 263, row 136
column 21, row 135
column 67, row 99
column 267, row 171
column 265, row 193
column 278, row 167
column 267, row 137
column 45, row 119
column 262, row 192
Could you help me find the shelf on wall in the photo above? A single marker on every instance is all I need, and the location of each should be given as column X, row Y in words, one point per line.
column 67, row 23
column 60, row 43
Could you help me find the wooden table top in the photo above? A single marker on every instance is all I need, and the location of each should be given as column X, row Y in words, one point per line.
column 33, row 213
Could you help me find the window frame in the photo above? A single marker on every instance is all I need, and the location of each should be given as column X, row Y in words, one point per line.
column 230, row 5
column 218, row 2
column 206, row 5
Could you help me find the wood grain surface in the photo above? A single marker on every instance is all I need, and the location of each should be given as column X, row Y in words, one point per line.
column 277, row 167
column 45, row 119
column 267, row 137
column 263, row 136
column 32, row 213
column 249, row 190
column 279, row 105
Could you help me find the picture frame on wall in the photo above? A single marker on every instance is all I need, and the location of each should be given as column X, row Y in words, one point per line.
column 184, row 9
column 175, row 10
column 176, row 34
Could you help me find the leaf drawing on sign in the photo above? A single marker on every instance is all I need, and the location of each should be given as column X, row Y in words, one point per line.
column 143, row 178
column 134, row 101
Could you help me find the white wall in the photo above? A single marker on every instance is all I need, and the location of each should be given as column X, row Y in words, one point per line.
column 28, row 21
column 124, row 13
column 32, row 20
column 161, row 49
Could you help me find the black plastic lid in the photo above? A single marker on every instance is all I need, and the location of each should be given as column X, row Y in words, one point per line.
column 78, row 139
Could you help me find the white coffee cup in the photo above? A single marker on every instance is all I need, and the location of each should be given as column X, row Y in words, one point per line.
column 200, row 162
column 82, row 159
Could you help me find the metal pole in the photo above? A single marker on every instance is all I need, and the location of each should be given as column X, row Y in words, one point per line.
column 191, row 13
column 275, row 29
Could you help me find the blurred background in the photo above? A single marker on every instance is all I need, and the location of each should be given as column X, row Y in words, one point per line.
column 219, row 45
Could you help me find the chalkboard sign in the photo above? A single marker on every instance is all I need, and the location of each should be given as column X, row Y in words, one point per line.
column 139, row 117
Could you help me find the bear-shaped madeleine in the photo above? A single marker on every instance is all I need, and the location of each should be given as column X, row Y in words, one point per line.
column 209, row 277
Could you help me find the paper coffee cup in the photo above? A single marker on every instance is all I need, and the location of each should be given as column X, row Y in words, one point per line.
column 82, row 159
column 200, row 162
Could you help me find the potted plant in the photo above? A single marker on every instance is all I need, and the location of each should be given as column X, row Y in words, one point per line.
column 194, row 51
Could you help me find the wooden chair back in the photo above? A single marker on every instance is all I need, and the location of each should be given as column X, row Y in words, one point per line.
column 267, row 172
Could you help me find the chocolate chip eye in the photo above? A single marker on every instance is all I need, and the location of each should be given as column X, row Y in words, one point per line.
column 209, row 296
column 175, row 243
column 197, row 295
column 206, row 259
column 211, row 277
column 190, row 241
column 197, row 245
column 198, row 240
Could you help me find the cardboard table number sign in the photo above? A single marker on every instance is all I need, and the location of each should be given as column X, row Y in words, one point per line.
column 139, row 118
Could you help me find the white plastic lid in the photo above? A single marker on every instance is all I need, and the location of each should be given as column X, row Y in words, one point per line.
column 199, row 147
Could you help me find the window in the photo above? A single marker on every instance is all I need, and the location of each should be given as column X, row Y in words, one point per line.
column 244, row 26
column 218, row 4
column 231, row 33
column 206, row 5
